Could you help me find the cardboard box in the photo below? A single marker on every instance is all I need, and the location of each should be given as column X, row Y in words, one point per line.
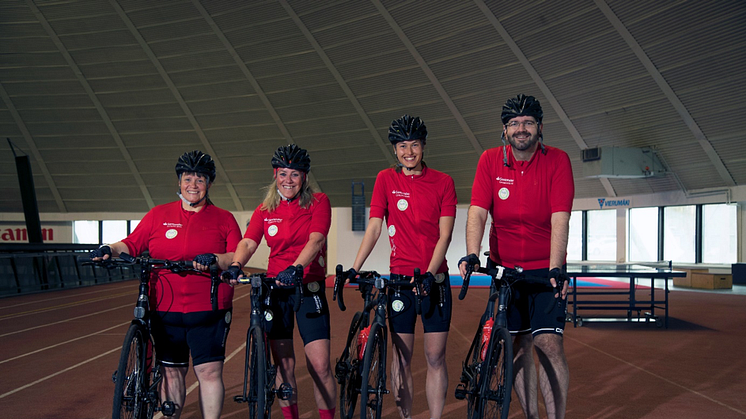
column 711, row 281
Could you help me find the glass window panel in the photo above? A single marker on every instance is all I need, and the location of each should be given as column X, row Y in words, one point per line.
column 643, row 234
column 678, row 233
column 114, row 230
column 719, row 233
column 602, row 235
column 85, row 232
column 575, row 238
column 133, row 225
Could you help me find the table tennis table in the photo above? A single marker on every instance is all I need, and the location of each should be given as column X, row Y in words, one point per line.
column 631, row 303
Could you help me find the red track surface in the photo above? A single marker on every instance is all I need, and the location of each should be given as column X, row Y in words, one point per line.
column 60, row 348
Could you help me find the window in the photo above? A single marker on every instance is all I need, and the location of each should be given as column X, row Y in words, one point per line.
column 85, row 232
column 679, row 233
column 575, row 239
column 719, row 233
column 643, row 234
column 113, row 230
column 133, row 225
column 602, row 235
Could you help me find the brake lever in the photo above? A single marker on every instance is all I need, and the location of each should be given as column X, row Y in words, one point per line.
column 339, row 288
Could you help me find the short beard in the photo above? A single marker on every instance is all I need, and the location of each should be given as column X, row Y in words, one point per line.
column 525, row 146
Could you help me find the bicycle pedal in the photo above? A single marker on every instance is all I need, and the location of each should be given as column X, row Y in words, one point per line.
column 168, row 408
column 239, row 399
column 461, row 392
column 285, row 391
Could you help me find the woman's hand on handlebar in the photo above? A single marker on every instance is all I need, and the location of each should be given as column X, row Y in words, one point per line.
column 202, row 262
column 232, row 274
column 350, row 275
column 101, row 254
column 470, row 259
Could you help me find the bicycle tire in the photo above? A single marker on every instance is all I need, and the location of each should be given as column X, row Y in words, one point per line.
column 131, row 380
column 257, row 368
column 497, row 380
column 348, row 371
column 374, row 374
column 471, row 375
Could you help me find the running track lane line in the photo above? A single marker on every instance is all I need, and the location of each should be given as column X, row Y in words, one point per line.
column 61, row 298
column 673, row 383
column 65, row 321
column 61, row 306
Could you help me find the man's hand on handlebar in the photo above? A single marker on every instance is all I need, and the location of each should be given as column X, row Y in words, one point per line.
column 202, row 262
column 427, row 282
column 470, row 259
column 556, row 276
column 232, row 274
column 102, row 253
column 288, row 277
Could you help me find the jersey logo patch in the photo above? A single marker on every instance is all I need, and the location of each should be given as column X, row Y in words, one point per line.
column 392, row 231
column 397, row 305
column 171, row 233
column 402, row 204
column 313, row 287
column 268, row 316
column 272, row 230
column 503, row 193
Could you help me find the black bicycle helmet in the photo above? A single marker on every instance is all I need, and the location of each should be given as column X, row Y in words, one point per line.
column 407, row 128
column 522, row 105
column 196, row 161
column 291, row 157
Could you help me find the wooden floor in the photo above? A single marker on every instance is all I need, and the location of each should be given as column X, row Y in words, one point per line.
column 59, row 349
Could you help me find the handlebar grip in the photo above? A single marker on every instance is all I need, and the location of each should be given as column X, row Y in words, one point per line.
column 418, row 284
column 465, row 284
column 126, row 257
column 298, row 287
column 339, row 288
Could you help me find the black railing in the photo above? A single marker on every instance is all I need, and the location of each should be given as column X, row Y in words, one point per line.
column 27, row 268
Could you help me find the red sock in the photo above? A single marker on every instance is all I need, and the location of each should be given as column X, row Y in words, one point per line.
column 290, row 412
column 327, row 414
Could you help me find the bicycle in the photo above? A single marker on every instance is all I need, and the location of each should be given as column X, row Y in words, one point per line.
column 487, row 371
column 259, row 372
column 361, row 369
column 138, row 376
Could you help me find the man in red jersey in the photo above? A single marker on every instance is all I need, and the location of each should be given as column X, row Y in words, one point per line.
column 419, row 205
column 528, row 190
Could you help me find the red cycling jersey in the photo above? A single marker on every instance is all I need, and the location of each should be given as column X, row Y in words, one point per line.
column 170, row 232
column 412, row 207
column 521, row 199
column 287, row 230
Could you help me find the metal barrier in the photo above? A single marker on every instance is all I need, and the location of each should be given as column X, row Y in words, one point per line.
column 28, row 268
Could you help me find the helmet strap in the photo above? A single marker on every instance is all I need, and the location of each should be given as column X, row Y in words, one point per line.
column 505, row 150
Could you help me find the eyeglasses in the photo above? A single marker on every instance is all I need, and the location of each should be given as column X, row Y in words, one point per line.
column 516, row 124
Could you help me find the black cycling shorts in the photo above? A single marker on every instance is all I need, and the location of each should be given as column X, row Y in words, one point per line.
column 436, row 307
column 313, row 316
column 202, row 333
column 527, row 305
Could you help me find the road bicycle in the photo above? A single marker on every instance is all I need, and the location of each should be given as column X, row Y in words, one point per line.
column 138, row 376
column 260, row 373
column 487, row 372
column 361, row 369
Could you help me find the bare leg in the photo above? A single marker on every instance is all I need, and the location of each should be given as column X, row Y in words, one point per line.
column 524, row 371
column 554, row 374
column 436, row 384
column 401, row 372
column 284, row 356
column 211, row 389
column 173, row 387
column 320, row 369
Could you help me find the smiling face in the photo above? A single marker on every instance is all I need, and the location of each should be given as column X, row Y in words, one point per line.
column 409, row 154
column 522, row 132
column 289, row 182
column 193, row 187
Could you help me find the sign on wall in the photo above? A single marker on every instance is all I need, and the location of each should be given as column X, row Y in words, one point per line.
column 52, row 232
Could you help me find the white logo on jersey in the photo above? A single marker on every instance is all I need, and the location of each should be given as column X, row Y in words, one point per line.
column 402, row 204
column 171, row 233
column 503, row 193
column 272, row 230
column 392, row 231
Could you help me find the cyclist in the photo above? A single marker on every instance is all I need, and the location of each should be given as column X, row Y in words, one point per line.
column 419, row 205
column 528, row 190
column 295, row 220
column 183, row 321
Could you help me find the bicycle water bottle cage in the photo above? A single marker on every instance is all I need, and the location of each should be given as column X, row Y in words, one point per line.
column 362, row 341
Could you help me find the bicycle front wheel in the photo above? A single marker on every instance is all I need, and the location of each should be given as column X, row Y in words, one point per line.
column 131, row 377
column 374, row 374
column 348, row 370
column 497, row 380
column 256, row 356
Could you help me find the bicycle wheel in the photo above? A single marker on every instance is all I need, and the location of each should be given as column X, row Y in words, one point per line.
column 256, row 357
column 131, row 377
column 471, row 374
column 373, row 374
column 497, row 380
column 347, row 371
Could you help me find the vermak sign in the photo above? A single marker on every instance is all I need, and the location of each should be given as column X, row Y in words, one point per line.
column 50, row 233
column 613, row 203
